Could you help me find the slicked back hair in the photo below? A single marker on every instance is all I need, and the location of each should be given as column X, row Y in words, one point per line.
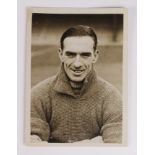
column 79, row 30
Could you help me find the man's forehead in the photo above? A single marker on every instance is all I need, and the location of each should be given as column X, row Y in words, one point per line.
column 79, row 42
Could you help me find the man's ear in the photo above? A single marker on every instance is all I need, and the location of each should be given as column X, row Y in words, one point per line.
column 96, row 54
column 60, row 54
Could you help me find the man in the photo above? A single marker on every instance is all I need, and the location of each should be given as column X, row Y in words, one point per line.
column 76, row 105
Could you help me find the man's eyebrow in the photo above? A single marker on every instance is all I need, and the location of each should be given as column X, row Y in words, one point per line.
column 86, row 53
column 81, row 53
column 70, row 52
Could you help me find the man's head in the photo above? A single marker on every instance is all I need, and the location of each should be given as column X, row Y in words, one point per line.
column 78, row 51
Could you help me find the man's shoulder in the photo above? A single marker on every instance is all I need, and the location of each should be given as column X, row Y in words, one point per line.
column 44, row 86
column 103, row 83
column 105, row 86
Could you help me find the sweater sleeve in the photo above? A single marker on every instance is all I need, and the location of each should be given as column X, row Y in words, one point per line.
column 111, row 130
column 40, row 113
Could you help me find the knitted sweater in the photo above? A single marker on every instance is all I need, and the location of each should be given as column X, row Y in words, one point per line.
column 59, row 115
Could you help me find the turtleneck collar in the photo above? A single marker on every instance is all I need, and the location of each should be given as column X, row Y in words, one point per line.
column 63, row 85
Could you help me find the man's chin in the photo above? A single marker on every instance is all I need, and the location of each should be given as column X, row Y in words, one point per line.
column 77, row 79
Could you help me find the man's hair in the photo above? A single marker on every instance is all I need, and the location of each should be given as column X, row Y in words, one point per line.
column 79, row 30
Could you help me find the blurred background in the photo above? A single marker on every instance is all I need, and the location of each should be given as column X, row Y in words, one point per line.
column 46, row 33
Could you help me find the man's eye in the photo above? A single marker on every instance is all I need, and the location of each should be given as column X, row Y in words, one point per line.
column 86, row 54
column 70, row 54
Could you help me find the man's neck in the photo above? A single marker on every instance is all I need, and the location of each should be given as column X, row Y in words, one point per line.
column 76, row 87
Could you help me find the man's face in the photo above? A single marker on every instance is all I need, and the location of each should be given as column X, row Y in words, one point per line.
column 78, row 57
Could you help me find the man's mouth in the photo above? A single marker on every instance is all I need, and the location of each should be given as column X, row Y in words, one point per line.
column 77, row 72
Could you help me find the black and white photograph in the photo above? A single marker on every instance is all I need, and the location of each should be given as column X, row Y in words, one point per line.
column 76, row 76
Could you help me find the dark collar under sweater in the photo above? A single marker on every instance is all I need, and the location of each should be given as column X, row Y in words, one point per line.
column 63, row 85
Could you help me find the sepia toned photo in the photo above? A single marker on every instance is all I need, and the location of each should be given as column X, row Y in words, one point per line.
column 76, row 76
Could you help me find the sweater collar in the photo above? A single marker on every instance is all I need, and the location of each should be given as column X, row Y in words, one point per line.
column 62, row 84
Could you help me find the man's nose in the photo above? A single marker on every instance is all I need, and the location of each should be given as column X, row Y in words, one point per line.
column 77, row 62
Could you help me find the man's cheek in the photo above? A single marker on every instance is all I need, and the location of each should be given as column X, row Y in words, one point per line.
column 87, row 65
column 68, row 64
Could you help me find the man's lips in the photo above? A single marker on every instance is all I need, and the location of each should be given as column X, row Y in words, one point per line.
column 77, row 72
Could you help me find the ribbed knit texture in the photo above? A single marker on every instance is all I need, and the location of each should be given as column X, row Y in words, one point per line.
column 59, row 115
column 76, row 86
